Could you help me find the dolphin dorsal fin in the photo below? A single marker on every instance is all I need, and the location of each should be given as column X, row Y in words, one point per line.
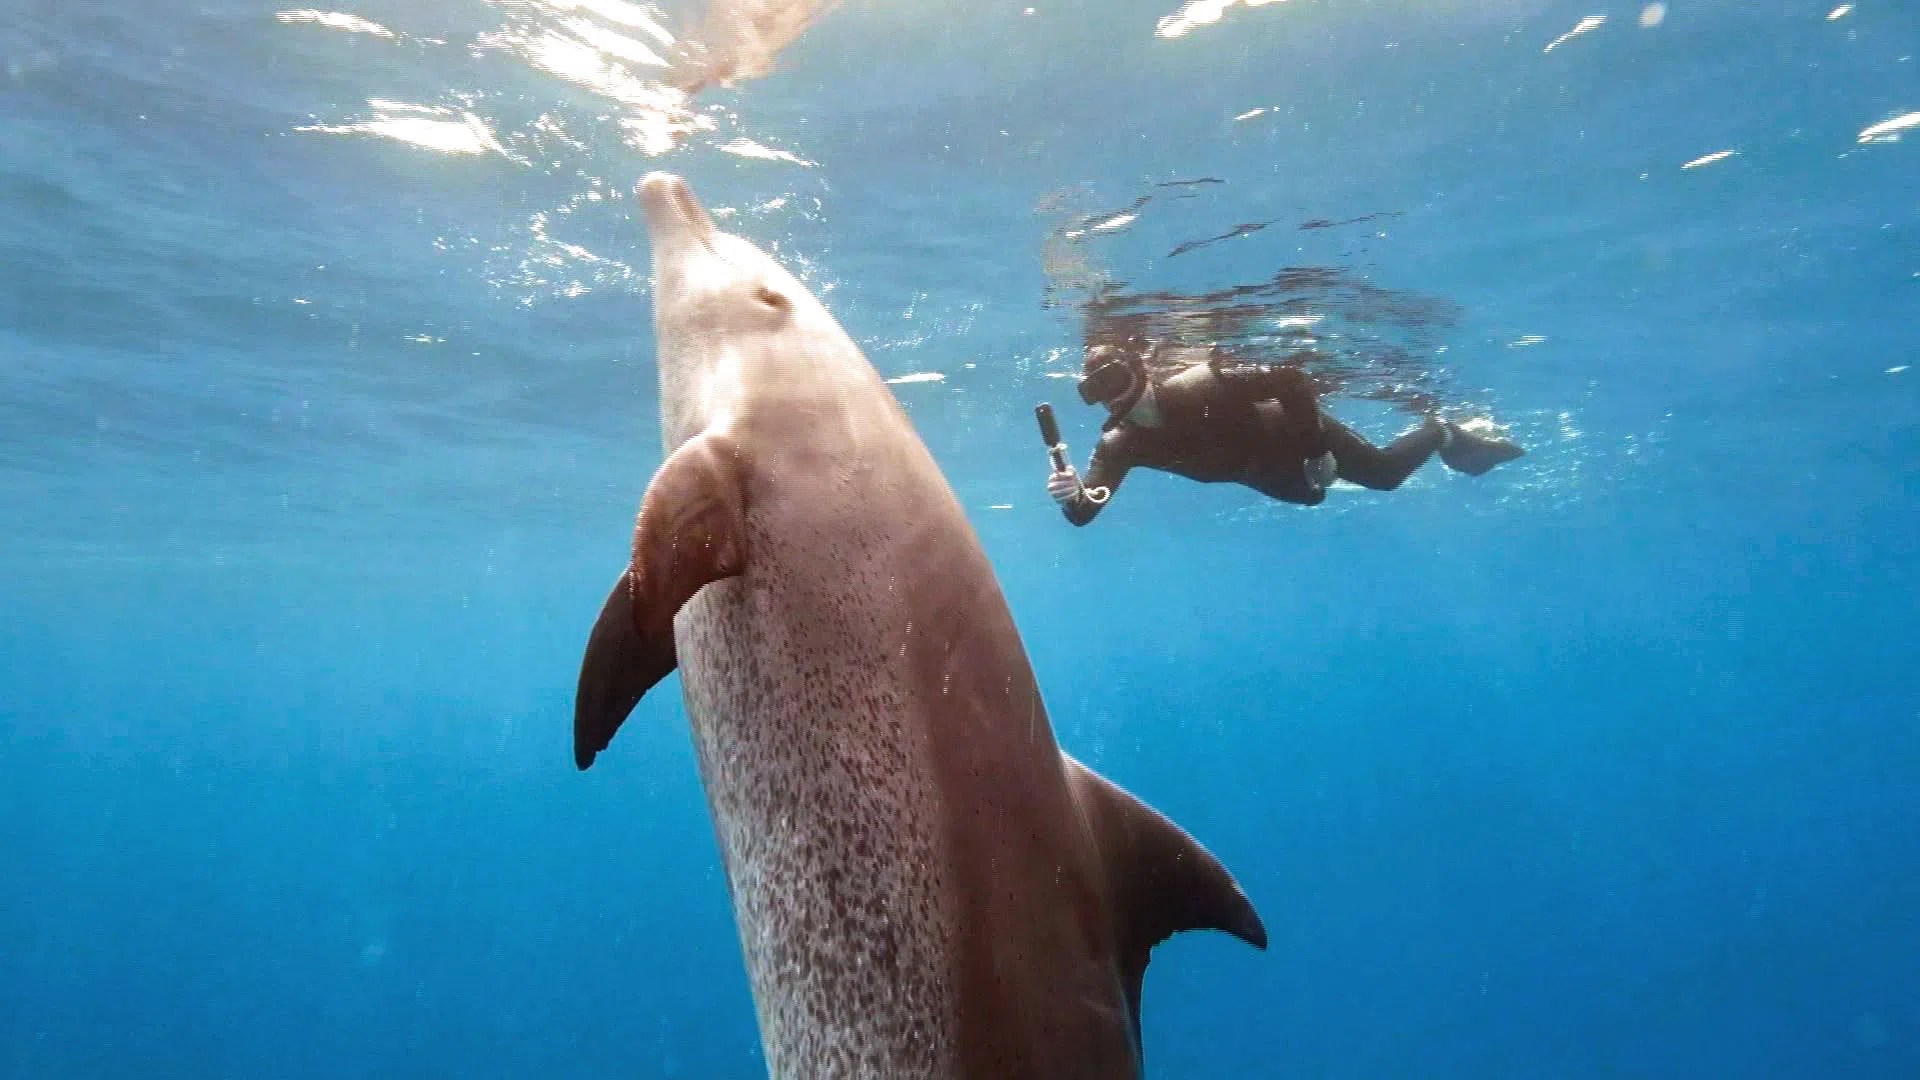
column 1160, row 879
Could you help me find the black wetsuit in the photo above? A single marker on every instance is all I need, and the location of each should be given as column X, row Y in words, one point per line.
column 1222, row 421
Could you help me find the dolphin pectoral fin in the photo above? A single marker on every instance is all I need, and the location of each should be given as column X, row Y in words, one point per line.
column 1160, row 879
column 691, row 532
column 619, row 667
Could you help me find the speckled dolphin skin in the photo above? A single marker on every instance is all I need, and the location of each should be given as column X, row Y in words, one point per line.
column 924, row 885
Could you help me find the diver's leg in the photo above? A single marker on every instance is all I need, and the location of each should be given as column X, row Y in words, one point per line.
column 1287, row 481
column 1382, row 469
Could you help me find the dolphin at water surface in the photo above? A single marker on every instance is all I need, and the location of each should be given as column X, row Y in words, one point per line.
column 923, row 883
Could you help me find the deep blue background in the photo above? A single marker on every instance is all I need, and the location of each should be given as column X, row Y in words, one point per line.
column 317, row 451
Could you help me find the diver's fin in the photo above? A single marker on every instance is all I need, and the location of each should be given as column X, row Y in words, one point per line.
column 1160, row 880
column 1474, row 450
column 691, row 531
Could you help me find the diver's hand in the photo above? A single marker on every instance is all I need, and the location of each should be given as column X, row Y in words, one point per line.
column 1064, row 486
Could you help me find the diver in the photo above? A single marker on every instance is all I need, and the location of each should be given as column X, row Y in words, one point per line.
column 1205, row 415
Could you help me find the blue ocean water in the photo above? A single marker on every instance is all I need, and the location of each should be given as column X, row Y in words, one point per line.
column 328, row 397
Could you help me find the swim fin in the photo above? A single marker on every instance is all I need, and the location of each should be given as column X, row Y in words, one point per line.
column 1476, row 447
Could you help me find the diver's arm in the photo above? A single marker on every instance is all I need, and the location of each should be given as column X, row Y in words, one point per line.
column 1105, row 470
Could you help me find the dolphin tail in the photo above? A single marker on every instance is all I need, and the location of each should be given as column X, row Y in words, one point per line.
column 1161, row 880
column 691, row 532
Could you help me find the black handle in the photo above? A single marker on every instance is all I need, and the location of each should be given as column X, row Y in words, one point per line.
column 1050, row 435
column 1049, row 428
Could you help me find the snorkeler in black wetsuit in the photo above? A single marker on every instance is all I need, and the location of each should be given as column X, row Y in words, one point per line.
column 1219, row 420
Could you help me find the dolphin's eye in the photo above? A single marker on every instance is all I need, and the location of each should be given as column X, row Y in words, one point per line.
column 771, row 299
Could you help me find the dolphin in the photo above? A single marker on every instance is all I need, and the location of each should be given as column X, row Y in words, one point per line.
column 924, row 885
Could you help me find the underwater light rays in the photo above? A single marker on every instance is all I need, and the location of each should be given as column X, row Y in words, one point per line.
column 335, row 20
column 444, row 130
column 1197, row 13
column 1889, row 130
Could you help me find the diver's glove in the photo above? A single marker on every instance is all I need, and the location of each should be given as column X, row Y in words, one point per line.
column 1064, row 486
column 1322, row 471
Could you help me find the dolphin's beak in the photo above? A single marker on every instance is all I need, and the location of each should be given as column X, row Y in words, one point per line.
column 673, row 214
